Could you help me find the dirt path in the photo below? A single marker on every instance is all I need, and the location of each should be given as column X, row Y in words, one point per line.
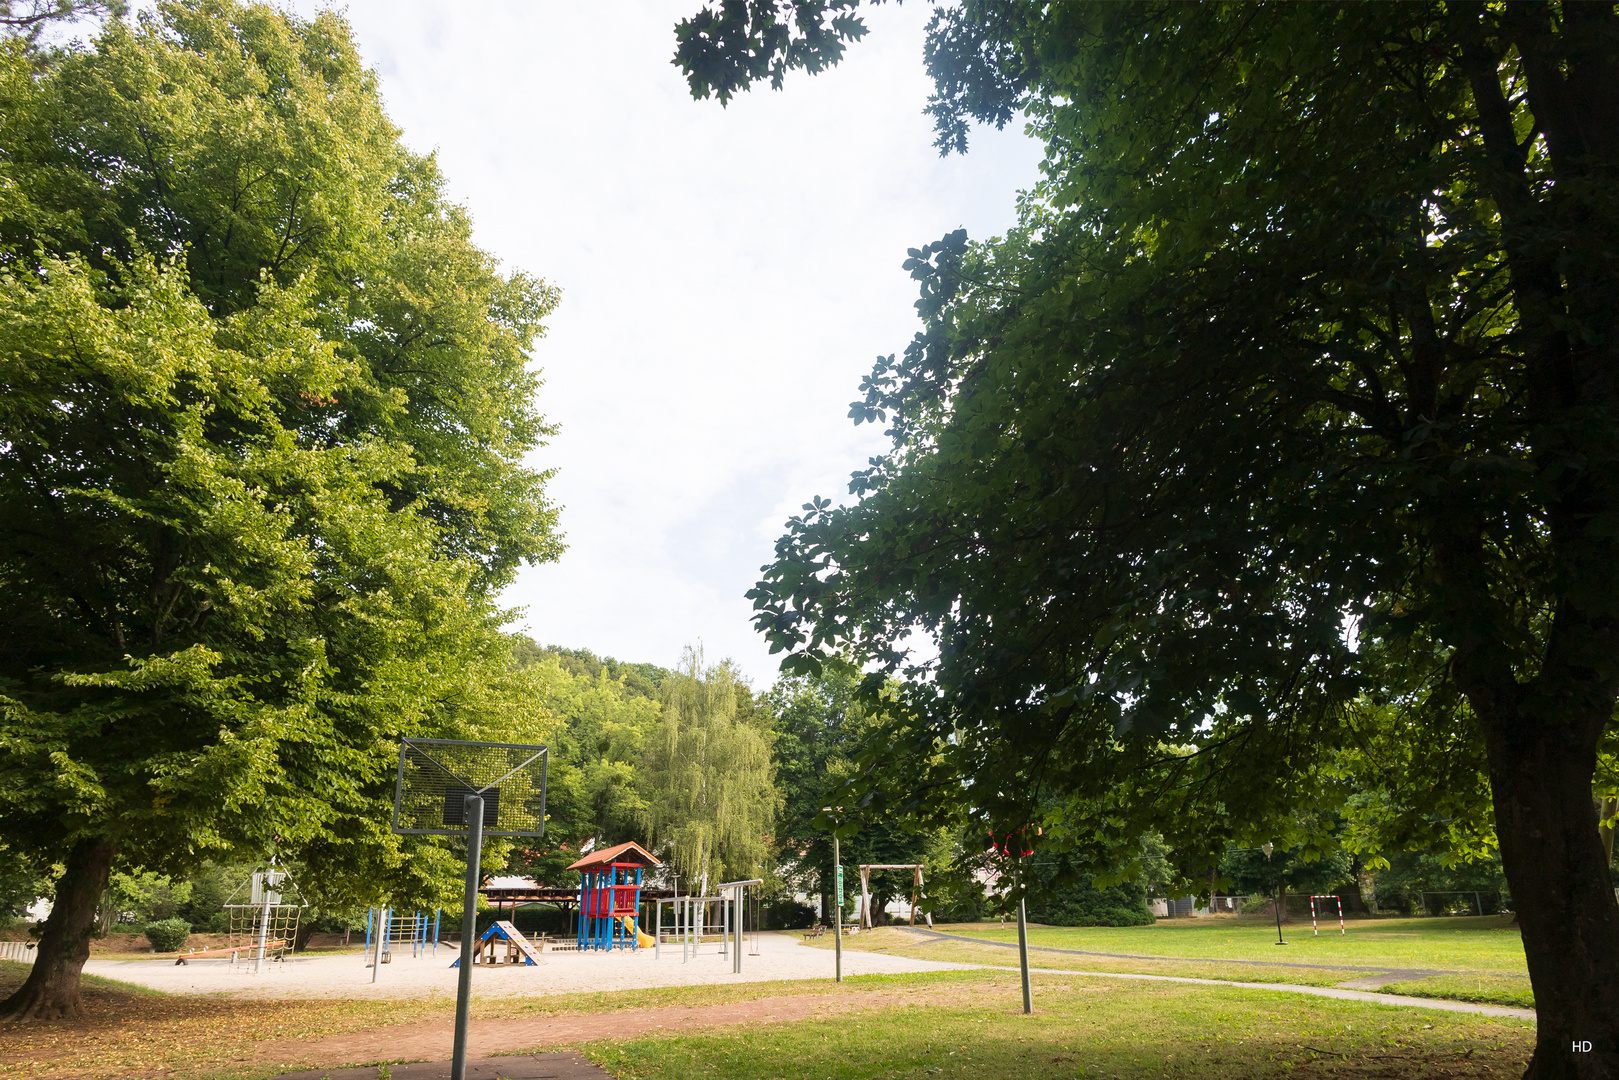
column 431, row 1040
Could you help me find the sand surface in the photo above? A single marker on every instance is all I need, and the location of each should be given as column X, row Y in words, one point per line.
column 781, row 956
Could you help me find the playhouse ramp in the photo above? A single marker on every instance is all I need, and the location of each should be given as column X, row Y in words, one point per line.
column 524, row 946
column 519, row 950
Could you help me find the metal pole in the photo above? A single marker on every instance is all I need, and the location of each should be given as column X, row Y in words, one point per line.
column 469, row 932
column 264, row 924
column 376, row 952
column 738, row 892
column 837, row 909
column 1023, row 955
column 657, row 930
column 1281, row 897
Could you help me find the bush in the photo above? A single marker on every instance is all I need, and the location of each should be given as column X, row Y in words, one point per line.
column 168, row 935
column 218, row 923
column 788, row 914
column 1066, row 894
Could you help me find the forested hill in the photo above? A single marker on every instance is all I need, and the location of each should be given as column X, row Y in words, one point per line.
column 679, row 760
column 643, row 680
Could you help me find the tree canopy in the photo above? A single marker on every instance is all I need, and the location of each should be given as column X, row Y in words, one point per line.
column 1289, row 400
column 263, row 408
column 708, row 777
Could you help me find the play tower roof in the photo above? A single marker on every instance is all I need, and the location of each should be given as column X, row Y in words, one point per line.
column 630, row 852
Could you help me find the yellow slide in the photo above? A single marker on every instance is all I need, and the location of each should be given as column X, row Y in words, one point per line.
column 642, row 941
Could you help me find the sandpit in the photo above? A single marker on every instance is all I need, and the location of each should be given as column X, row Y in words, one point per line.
column 781, row 956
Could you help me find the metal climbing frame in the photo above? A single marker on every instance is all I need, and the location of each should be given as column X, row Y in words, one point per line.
column 736, row 893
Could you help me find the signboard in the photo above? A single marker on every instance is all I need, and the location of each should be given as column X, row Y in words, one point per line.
column 840, row 888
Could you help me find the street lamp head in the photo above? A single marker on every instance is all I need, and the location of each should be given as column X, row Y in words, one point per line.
column 1267, row 848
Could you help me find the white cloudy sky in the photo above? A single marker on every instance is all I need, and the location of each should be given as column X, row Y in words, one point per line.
column 727, row 277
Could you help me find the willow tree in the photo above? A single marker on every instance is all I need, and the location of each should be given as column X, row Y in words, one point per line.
column 263, row 408
column 707, row 776
column 1313, row 320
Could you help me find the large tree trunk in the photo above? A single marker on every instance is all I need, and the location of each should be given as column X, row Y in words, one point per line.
column 1541, row 778
column 52, row 988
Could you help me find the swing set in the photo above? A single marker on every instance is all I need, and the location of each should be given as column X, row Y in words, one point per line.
column 865, row 890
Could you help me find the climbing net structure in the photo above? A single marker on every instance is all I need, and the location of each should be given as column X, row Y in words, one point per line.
column 265, row 926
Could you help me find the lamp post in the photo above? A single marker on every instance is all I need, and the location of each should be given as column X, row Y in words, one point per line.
column 1267, row 848
column 834, row 815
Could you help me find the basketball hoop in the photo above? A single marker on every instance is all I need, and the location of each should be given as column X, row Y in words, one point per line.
column 451, row 787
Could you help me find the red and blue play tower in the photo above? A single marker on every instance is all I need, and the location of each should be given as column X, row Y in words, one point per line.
column 610, row 892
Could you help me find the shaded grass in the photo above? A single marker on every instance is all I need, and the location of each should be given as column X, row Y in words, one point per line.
column 1094, row 1029
column 13, row 973
column 1490, row 943
column 131, row 1031
column 717, row 994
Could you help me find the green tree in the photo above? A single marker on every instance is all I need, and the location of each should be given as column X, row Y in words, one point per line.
column 707, row 776
column 821, row 725
column 28, row 19
column 1311, row 319
column 594, row 792
column 263, row 406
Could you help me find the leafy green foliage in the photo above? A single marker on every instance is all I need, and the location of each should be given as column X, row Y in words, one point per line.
column 724, row 50
column 1253, row 873
column 821, row 725
column 594, row 791
column 149, row 897
column 28, row 19
column 168, row 935
column 261, row 434
column 1156, row 419
column 1288, row 401
column 707, row 771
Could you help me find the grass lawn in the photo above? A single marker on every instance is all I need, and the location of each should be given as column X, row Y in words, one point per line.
column 1484, row 961
column 898, row 942
column 1090, row 1028
column 1471, row 943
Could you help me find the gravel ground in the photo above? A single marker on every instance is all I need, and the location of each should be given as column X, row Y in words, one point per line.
column 346, row 976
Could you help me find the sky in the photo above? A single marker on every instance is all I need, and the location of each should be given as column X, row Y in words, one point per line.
column 727, row 277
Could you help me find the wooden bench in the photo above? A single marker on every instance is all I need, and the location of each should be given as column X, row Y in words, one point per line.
column 814, row 932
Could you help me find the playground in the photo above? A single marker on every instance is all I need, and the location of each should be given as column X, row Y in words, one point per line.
column 346, row 976
column 651, row 983
column 953, row 1022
